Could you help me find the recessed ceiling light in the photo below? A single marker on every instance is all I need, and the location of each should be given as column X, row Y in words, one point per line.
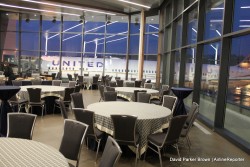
column 133, row 3
column 35, row 15
column 69, row 7
column 41, row 10
column 7, row 14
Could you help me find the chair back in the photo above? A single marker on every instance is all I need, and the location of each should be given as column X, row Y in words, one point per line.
column 169, row 102
column 185, row 130
column 21, row 125
column 174, row 130
column 80, row 79
column 110, row 96
column 36, row 82
column 53, row 75
column 72, row 84
column 101, row 90
column 77, row 88
column 136, row 92
column 63, row 109
column 163, row 93
column 191, row 112
column 148, row 85
column 16, row 83
column 117, row 78
column 138, row 84
column 95, row 79
column 143, row 97
column 111, row 153
column 133, row 79
column 70, row 77
column 73, row 136
column 56, row 82
column 87, row 117
column 77, row 100
column 112, row 83
column 34, row 95
column 130, row 84
column 75, row 76
column 67, row 93
column 124, row 129
column 110, row 89
column 119, row 83
column 143, row 82
column 59, row 75
column 165, row 87
column 86, row 75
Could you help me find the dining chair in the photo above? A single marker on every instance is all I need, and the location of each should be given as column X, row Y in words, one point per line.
column 88, row 117
column 112, row 83
column 56, row 82
column 72, row 84
column 63, row 109
column 53, row 75
column 130, row 84
column 117, row 78
column 111, row 154
column 138, row 84
column 59, row 76
column 20, row 125
column 185, row 130
column 169, row 102
column 80, row 81
column 36, row 82
column 73, row 137
column 143, row 82
column 158, row 100
column 20, row 103
column 132, row 79
column 143, row 97
column 95, row 82
column 110, row 89
column 35, row 99
column 171, row 137
column 77, row 100
column 119, row 83
column 148, row 85
column 75, row 76
column 101, row 89
column 125, row 132
column 77, row 88
column 70, row 77
column 136, row 92
column 66, row 98
column 16, row 82
column 110, row 96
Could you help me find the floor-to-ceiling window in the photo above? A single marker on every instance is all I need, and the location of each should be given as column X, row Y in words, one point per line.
column 9, row 37
column 150, row 47
column 212, row 44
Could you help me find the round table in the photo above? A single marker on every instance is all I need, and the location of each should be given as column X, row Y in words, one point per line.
column 47, row 92
column 150, row 118
column 6, row 92
column 128, row 92
column 21, row 152
column 181, row 93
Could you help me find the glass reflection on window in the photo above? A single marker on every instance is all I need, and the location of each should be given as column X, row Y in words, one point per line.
column 190, row 67
column 178, row 37
column 177, row 68
column 192, row 27
column 209, row 79
column 214, row 18
column 241, row 15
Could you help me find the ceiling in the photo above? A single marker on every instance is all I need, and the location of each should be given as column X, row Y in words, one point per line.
column 112, row 6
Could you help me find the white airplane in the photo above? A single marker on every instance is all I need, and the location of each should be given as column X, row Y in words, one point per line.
column 113, row 66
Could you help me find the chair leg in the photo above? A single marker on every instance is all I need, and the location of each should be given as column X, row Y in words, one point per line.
column 98, row 141
column 159, row 152
column 177, row 148
column 137, row 155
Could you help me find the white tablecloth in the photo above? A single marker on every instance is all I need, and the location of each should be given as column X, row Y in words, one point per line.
column 151, row 118
column 21, row 152
column 88, row 81
column 57, row 91
column 128, row 92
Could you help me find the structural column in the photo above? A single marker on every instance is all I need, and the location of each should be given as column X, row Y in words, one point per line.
column 141, row 46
